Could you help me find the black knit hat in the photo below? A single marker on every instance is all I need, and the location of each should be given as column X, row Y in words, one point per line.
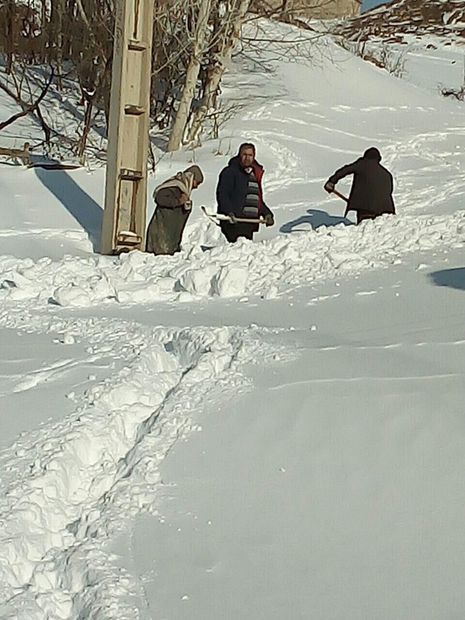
column 372, row 153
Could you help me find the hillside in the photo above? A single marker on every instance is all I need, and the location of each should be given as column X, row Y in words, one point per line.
column 443, row 18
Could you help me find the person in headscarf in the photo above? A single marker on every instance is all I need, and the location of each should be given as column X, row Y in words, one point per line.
column 372, row 186
column 174, row 205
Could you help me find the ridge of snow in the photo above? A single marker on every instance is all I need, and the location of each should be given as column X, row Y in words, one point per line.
column 267, row 268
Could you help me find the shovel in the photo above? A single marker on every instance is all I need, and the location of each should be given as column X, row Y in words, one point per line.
column 221, row 217
column 344, row 198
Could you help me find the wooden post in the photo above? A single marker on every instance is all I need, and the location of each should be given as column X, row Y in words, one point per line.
column 124, row 217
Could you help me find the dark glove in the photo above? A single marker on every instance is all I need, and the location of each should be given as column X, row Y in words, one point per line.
column 329, row 187
column 232, row 217
column 269, row 219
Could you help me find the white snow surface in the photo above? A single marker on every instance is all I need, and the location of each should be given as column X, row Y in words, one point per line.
column 323, row 364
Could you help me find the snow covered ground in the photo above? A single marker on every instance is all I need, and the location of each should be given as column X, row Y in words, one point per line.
column 324, row 364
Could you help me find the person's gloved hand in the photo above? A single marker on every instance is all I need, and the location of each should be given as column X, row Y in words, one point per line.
column 232, row 217
column 187, row 206
column 329, row 187
column 269, row 219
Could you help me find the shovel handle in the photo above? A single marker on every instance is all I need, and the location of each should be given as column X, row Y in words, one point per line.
column 344, row 198
column 340, row 195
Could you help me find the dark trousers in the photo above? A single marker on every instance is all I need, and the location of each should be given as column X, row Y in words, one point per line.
column 232, row 232
column 366, row 215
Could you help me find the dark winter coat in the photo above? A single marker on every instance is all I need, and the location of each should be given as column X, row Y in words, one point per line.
column 231, row 191
column 371, row 188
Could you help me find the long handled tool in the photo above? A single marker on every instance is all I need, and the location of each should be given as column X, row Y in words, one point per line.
column 221, row 217
column 346, row 200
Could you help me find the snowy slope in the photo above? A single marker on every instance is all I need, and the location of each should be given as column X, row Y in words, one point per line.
column 324, row 364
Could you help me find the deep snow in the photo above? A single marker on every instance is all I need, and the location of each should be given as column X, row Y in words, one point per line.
column 323, row 364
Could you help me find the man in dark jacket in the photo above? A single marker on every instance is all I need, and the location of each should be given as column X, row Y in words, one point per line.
column 239, row 193
column 371, row 192
column 174, row 205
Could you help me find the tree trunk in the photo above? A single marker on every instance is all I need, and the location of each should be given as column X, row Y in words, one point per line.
column 192, row 74
column 59, row 41
column 208, row 102
column 85, row 129
column 46, row 38
column 221, row 60
column 10, row 35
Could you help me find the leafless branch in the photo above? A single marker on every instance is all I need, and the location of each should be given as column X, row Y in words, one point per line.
column 26, row 108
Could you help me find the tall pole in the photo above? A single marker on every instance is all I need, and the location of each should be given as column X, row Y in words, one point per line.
column 124, row 217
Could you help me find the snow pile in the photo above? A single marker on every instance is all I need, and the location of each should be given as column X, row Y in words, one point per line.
column 267, row 268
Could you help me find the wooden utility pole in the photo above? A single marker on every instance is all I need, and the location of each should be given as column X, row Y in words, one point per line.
column 124, row 217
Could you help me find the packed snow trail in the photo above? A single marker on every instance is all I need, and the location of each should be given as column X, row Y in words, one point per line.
column 98, row 468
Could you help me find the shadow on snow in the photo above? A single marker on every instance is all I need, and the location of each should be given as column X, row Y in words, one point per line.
column 314, row 219
column 80, row 205
column 454, row 278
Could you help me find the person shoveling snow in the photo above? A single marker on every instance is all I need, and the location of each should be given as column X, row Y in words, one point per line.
column 371, row 192
column 239, row 195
